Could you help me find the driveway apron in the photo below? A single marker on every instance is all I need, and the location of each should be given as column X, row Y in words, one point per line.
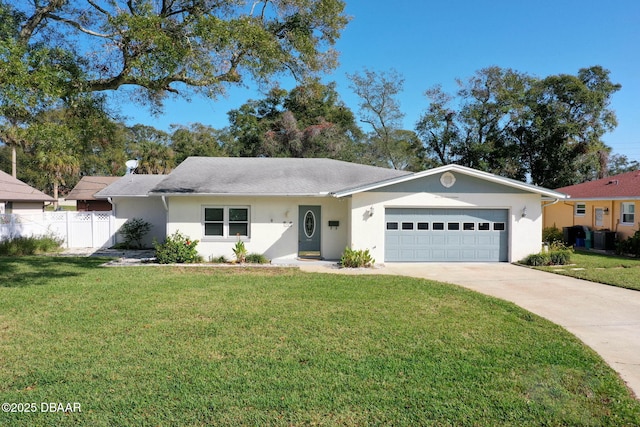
column 605, row 318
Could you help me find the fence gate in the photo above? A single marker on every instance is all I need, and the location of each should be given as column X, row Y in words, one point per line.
column 77, row 229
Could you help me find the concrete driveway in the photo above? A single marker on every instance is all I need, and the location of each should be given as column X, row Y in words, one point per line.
column 605, row 318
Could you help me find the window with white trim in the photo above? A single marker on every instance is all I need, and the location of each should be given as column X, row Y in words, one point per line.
column 581, row 209
column 225, row 221
column 628, row 211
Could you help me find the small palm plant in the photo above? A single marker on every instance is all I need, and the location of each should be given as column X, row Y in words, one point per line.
column 240, row 251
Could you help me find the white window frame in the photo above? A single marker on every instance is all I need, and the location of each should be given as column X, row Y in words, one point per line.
column 226, row 222
column 581, row 209
column 625, row 211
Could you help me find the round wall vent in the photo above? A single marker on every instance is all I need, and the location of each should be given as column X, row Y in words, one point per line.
column 447, row 179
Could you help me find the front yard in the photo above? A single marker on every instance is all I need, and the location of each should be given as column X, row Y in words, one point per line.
column 618, row 271
column 194, row 346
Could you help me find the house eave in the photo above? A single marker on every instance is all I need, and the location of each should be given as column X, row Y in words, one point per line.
column 458, row 169
column 603, row 199
column 183, row 194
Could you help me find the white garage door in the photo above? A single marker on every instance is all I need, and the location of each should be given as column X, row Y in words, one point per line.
column 416, row 234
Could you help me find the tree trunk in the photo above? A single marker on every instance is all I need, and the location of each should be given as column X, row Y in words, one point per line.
column 14, row 161
column 55, row 195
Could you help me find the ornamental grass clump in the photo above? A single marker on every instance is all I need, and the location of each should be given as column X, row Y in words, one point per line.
column 177, row 249
column 558, row 254
column 21, row 246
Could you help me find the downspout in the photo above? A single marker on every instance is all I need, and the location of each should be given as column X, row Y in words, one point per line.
column 113, row 207
column 166, row 209
column 112, row 221
column 552, row 203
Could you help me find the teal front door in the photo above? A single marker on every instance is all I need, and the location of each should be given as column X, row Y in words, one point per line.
column 309, row 231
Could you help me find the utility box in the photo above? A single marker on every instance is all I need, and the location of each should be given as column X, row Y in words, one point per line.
column 604, row 239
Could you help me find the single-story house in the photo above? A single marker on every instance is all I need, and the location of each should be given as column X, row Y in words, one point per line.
column 17, row 197
column 604, row 204
column 129, row 198
column 314, row 208
column 83, row 193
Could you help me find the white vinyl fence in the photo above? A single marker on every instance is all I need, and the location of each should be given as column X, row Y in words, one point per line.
column 77, row 229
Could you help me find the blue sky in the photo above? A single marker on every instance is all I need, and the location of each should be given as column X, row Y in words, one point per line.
column 431, row 43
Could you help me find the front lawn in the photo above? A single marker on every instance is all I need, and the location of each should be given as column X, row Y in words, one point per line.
column 618, row 271
column 190, row 346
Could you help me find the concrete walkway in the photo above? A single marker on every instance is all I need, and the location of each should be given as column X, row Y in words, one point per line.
column 605, row 318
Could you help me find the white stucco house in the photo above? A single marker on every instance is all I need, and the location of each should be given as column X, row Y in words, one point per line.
column 129, row 198
column 287, row 208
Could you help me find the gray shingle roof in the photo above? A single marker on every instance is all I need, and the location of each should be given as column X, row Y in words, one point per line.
column 269, row 176
column 130, row 186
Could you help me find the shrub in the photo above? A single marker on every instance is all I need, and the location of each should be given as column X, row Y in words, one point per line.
column 552, row 235
column 218, row 260
column 21, row 246
column 629, row 246
column 560, row 256
column 257, row 259
column 133, row 231
column 537, row 260
column 240, row 251
column 356, row 258
column 177, row 249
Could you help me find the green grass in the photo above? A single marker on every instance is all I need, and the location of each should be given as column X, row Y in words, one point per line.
column 180, row 346
column 618, row 271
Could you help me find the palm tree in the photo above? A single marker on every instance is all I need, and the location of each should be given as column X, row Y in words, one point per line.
column 155, row 158
column 54, row 155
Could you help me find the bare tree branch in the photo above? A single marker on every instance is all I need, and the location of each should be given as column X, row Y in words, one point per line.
column 79, row 27
column 36, row 19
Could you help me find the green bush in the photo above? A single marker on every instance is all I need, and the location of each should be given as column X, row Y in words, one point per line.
column 629, row 246
column 257, row 259
column 133, row 231
column 21, row 246
column 218, row 260
column 356, row 258
column 552, row 235
column 560, row 256
column 537, row 260
column 177, row 249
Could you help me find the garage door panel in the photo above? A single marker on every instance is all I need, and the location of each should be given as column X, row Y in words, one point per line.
column 407, row 240
column 431, row 234
column 393, row 240
column 423, row 240
column 469, row 239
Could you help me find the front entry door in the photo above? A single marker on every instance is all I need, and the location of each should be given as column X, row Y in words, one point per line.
column 309, row 231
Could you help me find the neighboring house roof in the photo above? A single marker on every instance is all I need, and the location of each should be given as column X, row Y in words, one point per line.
column 269, row 176
column 458, row 169
column 622, row 186
column 131, row 185
column 89, row 185
column 14, row 190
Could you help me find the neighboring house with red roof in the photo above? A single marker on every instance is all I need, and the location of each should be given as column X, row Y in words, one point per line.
column 17, row 197
column 84, row 190
column 605, row 204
